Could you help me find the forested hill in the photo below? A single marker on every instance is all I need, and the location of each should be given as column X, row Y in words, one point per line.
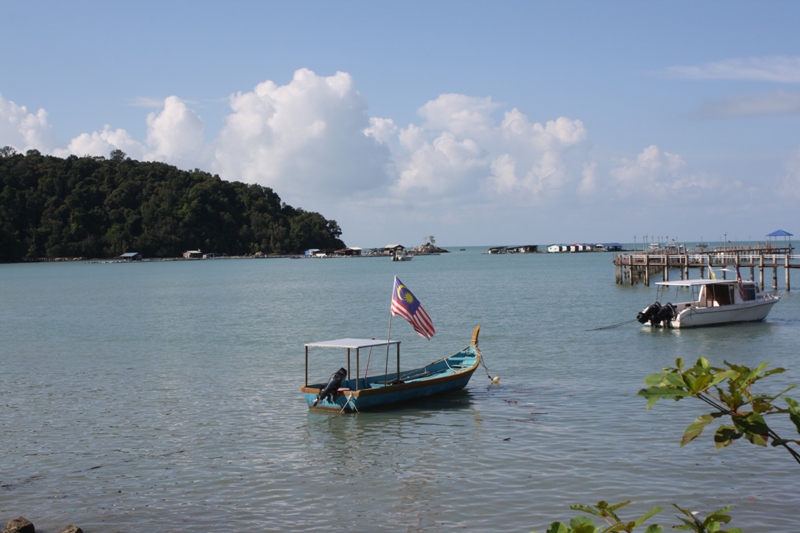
column 97, row 207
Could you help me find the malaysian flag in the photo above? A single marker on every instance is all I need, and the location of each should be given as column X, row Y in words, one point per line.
column 407, row 306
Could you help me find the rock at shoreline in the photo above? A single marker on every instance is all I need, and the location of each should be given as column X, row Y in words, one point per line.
column 19, row 525
column 23, row 525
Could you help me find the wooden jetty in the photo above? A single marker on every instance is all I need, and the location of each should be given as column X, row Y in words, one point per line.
column 646, row 264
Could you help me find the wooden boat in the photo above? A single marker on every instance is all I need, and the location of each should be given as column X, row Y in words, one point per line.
column 714, row 302
column 388, row 390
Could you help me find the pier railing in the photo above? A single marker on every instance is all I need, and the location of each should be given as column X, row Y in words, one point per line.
column 642, row 266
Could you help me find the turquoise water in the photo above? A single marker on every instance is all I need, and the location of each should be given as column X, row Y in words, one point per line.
column 165, row 396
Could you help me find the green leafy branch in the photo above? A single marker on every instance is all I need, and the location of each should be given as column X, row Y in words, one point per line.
column 584, row 524
column 729, row 392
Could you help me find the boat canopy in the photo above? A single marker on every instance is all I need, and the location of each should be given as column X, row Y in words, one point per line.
column 351, row 343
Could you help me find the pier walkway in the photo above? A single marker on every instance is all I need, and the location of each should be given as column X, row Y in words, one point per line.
column 643, row 265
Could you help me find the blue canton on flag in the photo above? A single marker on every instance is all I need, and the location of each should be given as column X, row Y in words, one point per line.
column 405, row 304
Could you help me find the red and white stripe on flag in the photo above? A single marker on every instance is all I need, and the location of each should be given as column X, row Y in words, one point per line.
column 406, row 305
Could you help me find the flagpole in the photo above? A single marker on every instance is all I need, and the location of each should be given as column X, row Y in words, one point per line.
column 389, row 336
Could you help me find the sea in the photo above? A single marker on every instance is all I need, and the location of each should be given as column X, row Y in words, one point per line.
column 165, row 396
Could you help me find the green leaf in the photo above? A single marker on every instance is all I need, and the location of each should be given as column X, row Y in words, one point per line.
column 616, row 506
column 654, row 379
column 586, row 509
column 794, row 412
column 702, row 364
column 753, row 427
column 557, row 527
column 582, row 524
column 655, row 528
column 653, row 394
column 696, row 428
column 774, row 371
column 701, row 383
column 648, row 514
column 722, row 376
column 676, row 380
column 725, row 436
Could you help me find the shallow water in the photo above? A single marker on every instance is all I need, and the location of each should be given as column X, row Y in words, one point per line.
column 165, row 396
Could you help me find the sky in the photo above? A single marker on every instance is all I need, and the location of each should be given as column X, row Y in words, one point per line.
column 482, row 123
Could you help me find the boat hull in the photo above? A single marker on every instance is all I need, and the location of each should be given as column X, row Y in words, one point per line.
column 447, row 375
column 695, row 317
column 729, row 314
column 714, row 303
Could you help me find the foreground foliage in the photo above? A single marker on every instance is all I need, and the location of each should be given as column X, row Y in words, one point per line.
column 98, row 207
column 584, row 524
column 729, row 392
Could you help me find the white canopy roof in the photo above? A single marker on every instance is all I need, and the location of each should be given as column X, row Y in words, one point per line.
column 350, row 343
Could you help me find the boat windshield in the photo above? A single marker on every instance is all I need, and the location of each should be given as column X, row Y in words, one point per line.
column 716, row 295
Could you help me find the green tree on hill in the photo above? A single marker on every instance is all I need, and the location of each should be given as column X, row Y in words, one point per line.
column 98, row 207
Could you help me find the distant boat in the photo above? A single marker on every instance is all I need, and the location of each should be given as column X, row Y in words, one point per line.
column 387, row 390
column 461, row 249
column 402, row 255
column 714, row 302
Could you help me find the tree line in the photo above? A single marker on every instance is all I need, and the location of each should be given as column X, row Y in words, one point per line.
column 103, row 207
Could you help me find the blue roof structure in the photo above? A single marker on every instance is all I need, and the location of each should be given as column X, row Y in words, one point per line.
column 780, row 233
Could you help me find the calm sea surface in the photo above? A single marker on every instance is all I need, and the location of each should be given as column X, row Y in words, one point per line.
column 164, row 396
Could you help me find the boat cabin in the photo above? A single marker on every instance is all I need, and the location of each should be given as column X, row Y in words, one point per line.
column 355, row 347
column 713, row 293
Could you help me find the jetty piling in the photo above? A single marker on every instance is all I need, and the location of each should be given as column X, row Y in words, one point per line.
column 641, row 266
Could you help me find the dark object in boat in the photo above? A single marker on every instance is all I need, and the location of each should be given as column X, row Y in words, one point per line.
column 649, row 312
column 332, row 386
column 665, row 314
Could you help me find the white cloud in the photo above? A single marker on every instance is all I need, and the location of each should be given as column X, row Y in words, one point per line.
column 461, row 151
column 23, row 130
column 782, row 69
column 778, row 103
column 102, row 144
column 536, row 158
column 175, row 135
column 460, row 114
column 381, row 129
column 311, row 137
column 655, row 173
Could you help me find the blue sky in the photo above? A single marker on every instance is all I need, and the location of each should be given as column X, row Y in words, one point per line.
column 482, row 123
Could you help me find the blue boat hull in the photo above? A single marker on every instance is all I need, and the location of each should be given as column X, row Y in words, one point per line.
column 440, row 377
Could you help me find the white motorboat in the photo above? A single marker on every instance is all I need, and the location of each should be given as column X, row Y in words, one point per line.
column 714, row 302
column 402, row 255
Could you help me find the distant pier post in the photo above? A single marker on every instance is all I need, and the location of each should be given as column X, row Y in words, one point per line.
column 786, row 268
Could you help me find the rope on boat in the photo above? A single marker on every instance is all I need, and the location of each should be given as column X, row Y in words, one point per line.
column 349, row 397
column 614, row 325
column 495, row 379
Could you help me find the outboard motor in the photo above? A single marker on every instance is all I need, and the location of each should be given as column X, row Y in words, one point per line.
column 666, row 314
column 332, row 386
column 648, row 313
